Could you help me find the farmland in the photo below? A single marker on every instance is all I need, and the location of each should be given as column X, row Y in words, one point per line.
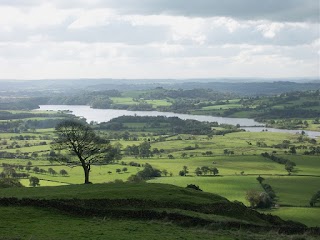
column 222, row 160
column 238, row 167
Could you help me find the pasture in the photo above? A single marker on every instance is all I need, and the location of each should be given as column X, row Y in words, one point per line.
column 238, row 168
column 306, row 215
column 35, row 223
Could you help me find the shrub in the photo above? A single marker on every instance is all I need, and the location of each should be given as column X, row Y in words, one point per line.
column 258, row 199
column 314, row 199
column 147, row 173
column 34, row 181
column 193, row 186
column 9, row 182
column 135, row 179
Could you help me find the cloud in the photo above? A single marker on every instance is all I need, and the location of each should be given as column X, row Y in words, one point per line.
column 158, row 39
column 274, row 10
column 78, row 59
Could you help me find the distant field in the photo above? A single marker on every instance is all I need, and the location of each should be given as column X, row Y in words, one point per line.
column 123, row 100
column 158, row 103
column 237, row 171
column 224, row 106
column 232, row 187
column 308, row 216
column 292, row 190
column 130, row 101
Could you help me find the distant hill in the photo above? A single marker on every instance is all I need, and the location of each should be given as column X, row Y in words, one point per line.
column 245, row 87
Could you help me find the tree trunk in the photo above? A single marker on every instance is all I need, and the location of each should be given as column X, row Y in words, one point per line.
column 86, row 174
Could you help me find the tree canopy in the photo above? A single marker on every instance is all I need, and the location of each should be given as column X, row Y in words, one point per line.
column 77, row 142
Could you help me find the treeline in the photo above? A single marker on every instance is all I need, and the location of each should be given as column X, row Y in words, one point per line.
column 10, row 170
column 196, row 93
column 275, row 158
column 21, row 103
column 96, row 99
column 164, row 125
column 28, row 125
column 6, row 115
column 287, row 112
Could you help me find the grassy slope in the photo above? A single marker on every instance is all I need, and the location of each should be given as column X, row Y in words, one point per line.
column 159, row 192
column 35, row 223
column 38, row 223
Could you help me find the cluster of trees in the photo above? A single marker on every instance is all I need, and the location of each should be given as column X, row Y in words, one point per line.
column 11, row 170
column 228, row 152
column 96, row 99
column 265, row 109
column 143, row 150
column 184, row 171
column 6, row 115
column 287, row 112
column 23, row 137
column 11, row 155
column 268, row 189
column 8, row 182
column 313, row 151
column 197, row 94
column 204, row 170
column 15, row 144
column 147, row 173
column 31, row 125
column 258, row 199
column 287, row 123
column 166, row 125
column 315, row 199
column 134, row 164
column 21, row 103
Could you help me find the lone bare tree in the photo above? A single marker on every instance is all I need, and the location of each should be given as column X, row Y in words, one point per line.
column 81, row 142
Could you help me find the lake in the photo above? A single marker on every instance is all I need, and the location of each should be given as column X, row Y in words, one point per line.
column 105, row 115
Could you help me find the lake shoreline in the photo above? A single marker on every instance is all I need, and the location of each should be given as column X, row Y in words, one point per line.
column 105, row 115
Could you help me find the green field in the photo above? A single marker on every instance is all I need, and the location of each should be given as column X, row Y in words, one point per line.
column 30, row 222
column 234, row 188
column 307, row 215
column 48, row 224
column 293, row 190
column 237, row 171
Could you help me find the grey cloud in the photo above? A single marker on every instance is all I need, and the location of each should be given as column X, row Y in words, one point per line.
column 20, row 3
column 288, row 36
column 274, row 10
column 124, row 32
column 118, row 32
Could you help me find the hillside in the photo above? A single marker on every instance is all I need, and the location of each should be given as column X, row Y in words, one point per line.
column 139, row 204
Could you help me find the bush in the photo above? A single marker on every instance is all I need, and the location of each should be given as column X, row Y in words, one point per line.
column 118, row 181
column 9, row 182
column 135, row 179
column 193, row 186
column 314, row 199
column 258, row 199
column 34, row 181
column 147, row 173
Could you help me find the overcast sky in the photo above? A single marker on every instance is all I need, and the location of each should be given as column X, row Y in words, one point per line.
column 159, row 38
